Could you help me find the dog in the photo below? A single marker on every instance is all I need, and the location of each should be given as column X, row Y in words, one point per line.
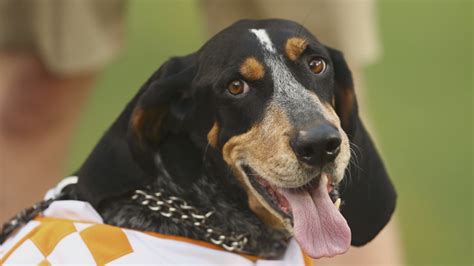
column 255, row 131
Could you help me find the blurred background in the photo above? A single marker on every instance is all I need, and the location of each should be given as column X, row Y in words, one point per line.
column 418, row 98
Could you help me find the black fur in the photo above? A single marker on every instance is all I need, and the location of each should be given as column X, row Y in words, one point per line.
column 173, row 154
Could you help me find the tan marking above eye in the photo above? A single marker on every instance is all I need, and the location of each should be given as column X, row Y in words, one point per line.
column 252, row 69
column 295, row 47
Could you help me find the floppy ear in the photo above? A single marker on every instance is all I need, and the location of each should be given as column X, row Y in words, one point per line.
column 369, row 196
column 164, row 99
column 123, row 159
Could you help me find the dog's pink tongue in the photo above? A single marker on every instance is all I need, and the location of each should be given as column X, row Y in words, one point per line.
column 319, row 227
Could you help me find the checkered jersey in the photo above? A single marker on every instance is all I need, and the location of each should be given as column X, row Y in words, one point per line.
column 72, row 232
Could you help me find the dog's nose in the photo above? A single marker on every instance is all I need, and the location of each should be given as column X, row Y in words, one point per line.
column 318, row 145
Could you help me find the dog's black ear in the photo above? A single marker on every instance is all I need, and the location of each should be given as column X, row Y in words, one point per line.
column 164, row 99
column 367, row 192
column 124, row 158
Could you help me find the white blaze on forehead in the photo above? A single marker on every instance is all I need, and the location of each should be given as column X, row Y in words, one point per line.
column 264, row 39
column 288, row 92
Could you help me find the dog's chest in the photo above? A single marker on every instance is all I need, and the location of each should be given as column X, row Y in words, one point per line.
column 72, row 232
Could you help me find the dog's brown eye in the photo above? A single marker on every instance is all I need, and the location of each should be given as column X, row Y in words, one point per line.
column 237, row 87
column 317, row 65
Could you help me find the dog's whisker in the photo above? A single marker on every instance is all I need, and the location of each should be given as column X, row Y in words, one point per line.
column 355, row 150
column 353, row 163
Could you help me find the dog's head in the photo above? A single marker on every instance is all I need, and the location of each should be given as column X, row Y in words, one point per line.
column 279, row 108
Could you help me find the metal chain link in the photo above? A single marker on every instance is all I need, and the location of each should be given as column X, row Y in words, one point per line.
column 178, row 209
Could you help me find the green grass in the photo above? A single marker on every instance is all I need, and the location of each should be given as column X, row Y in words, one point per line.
column 419, row 100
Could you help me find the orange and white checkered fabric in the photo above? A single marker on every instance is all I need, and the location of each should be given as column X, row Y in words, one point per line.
column 83, row 239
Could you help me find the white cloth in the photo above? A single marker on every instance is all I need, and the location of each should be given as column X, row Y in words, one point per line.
column 72, row 232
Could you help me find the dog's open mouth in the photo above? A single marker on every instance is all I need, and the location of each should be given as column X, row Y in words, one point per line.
column 276, row 198
column 313, row 208
column 271, row 194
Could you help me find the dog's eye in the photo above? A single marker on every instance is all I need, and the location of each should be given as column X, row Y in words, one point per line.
column 237, row 87
column 317, row 65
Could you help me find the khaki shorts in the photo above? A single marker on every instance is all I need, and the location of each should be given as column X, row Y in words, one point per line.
column 347, row 25
column 69, row 36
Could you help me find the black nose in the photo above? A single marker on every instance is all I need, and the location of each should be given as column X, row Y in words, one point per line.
column 318, row 145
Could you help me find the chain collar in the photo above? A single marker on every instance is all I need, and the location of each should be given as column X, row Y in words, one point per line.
column 179, row 210
column 170, row 207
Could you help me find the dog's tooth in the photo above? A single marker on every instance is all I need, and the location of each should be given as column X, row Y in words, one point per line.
column 324, row 178
column 337, row 203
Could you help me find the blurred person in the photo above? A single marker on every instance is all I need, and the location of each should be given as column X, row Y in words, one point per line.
column 51, row 52
column 349, row 26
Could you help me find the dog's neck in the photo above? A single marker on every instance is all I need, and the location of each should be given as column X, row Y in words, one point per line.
column 231, row 214
column 196, row 174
